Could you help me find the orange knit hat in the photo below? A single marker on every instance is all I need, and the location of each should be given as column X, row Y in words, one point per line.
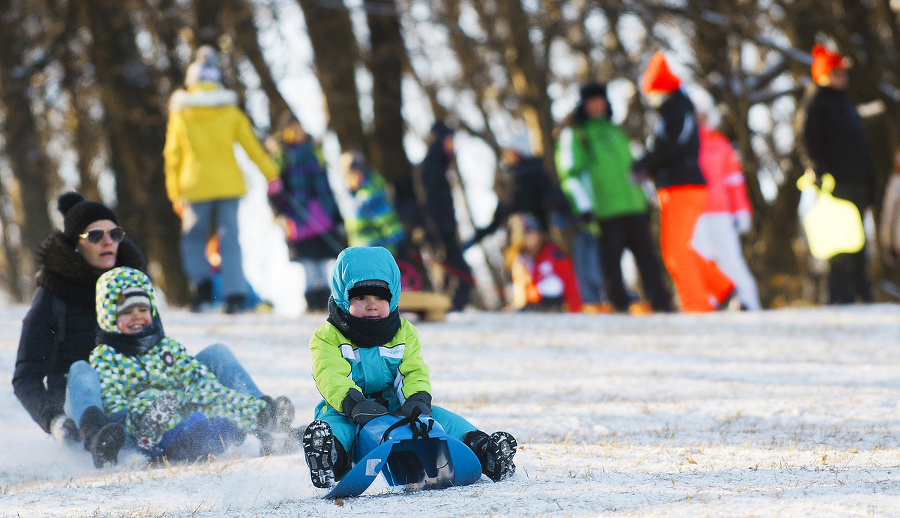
column 824, row 61
column 658, row 77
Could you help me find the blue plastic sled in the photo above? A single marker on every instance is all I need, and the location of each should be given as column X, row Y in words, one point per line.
column 414, row 452
column 196, row 437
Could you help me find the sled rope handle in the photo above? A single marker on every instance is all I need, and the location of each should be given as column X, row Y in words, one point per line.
column 419, row 429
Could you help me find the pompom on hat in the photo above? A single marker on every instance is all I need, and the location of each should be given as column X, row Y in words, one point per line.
column 824, row 62
column 205, row 68
column 658, row 77
column 78, row 213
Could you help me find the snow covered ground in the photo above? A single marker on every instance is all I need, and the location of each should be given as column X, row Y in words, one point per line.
column 791, row 413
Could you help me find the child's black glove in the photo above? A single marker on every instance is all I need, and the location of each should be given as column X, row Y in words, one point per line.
column 360, row 409
column 420, row 400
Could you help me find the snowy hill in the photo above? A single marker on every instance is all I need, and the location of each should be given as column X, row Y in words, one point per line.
column 788, row 412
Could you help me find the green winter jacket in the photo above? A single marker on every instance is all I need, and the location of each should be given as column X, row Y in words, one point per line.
column 130, row 382
column 393, row 371
column 593, row 161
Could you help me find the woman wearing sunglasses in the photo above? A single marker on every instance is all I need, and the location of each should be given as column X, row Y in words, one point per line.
column 58, row 330
column 52, row 378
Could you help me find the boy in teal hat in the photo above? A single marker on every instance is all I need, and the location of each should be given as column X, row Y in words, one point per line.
column 367, row 363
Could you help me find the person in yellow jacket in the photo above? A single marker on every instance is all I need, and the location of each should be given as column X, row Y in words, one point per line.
column 203, row 179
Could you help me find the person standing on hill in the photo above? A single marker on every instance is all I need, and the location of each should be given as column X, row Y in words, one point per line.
column 728, row 213
column 441, row 227
column 593, row 160
column 314, row 226
column 681, row 190
column 203, row 179
column 835, row 142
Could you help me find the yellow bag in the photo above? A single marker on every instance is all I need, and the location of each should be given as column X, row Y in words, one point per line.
column 833, row 225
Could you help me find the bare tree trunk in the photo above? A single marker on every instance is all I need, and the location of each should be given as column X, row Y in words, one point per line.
column 24, row 147
column 336, row 59
column 388, row 56
column 136, row 123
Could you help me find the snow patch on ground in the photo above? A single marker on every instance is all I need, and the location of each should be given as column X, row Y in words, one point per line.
column 787, row 412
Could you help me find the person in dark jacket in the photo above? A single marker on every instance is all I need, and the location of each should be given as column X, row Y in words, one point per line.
column 441, row 227
column 53, row 379
column 522, row 185
column 836, row 144
column 58, row 331
column 681, row 191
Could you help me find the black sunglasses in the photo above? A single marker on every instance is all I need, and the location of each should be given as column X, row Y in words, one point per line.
column 95, row 235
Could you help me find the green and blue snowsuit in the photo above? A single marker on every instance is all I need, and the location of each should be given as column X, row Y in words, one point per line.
column 388, row 372
column 134, row 372
column 374, row 221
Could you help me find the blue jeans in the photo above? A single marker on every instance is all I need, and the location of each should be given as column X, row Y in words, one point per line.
column 588, row 269
column 83, row 384
column 195, row 224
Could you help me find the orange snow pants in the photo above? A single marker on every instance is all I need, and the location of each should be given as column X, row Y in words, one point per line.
column 700, row 283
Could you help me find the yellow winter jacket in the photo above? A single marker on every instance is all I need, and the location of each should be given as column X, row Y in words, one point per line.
column 204, row 124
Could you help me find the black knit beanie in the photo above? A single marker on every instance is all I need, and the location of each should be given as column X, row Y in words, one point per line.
column 78, row 213
column 375, row 287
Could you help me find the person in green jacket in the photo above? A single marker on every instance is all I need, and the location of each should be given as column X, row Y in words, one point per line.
column 593, row 160
column 367, row 363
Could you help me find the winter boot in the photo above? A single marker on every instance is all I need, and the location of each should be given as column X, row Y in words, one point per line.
column 317, row 299
column 495, row 452
column 325, row 455
column 155, row 421
column 235, row 304
column 102, row 438
column 274, row 427
column 64, row 430
column 203, row 296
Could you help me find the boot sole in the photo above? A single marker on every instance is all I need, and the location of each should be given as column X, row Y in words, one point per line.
column 318, row 443
column 502, row 449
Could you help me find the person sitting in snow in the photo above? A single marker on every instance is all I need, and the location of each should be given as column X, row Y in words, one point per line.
column 367, row 363
column 543, row 276
column 166, row 400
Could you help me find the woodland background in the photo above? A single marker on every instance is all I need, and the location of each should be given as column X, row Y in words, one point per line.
column 84, row 86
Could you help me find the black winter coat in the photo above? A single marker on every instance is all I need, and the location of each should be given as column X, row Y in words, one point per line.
column 836, row 143
column 531, row 191
column 673, row 159
column 439, row 207
column 59, row 329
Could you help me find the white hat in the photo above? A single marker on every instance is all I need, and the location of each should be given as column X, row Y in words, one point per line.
column 204, row 68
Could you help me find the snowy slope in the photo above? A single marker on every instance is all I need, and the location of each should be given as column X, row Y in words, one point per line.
column 788, row 412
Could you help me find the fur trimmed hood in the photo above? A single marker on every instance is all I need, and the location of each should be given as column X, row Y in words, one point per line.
column 205, row 94
column 65, row 273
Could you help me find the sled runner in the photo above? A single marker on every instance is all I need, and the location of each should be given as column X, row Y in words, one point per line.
column 414, row 452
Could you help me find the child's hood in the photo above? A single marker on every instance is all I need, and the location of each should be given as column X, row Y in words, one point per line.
column 110, row 285
column 363, row 263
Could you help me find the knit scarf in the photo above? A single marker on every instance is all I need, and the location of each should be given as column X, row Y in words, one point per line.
column 136, row 344
column 364, row 332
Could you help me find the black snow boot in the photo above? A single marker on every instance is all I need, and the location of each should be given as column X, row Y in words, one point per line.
column 203, row 296
column 102, row 438
column 317, row 299
column 495, row 452
column 273, row 427
column 325, row 455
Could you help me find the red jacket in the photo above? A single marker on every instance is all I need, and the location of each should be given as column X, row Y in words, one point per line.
column 727, row 191
column 552, row 276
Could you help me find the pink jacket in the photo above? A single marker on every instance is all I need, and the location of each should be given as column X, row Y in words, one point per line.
column 722, row 169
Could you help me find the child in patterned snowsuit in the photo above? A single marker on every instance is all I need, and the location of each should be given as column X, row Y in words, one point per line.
column 367, row 363
column 167, row 401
